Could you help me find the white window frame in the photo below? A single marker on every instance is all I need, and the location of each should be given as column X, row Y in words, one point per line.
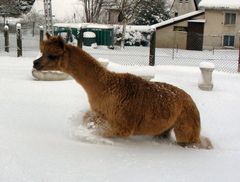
column 231, row 21
column 229, row 41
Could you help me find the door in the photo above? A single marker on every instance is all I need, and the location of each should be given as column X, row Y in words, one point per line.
column 195, row 36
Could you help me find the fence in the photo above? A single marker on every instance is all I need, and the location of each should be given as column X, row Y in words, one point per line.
column 29, row 40
column 224, row 59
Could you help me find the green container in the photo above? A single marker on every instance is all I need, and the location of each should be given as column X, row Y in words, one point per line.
column 103, row 36
column 89, row 38
column 59, row 30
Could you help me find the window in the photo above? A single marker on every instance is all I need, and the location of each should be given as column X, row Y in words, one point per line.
column 230, row 18
column 228, row 40
column 181, row 1
column 186, row 1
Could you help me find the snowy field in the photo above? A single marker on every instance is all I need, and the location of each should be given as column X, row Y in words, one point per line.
column 41, row 139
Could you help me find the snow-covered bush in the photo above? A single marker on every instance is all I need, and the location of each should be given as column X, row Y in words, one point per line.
column 133, row 36
column 33, row 16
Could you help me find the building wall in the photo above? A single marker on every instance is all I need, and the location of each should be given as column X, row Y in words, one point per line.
column 166, row 37
column 215, row 28
column 182, row 7
column 109, row 16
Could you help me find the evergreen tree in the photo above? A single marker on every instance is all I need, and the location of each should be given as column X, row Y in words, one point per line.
column 150, row 12
column 15, row 8
column 25, row 5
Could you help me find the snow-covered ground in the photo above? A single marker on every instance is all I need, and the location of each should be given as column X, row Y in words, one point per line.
column 41, row 138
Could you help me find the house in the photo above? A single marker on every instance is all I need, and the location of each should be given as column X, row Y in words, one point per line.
column 216, row 24
column 181, row 7
column 109, row 13
column 222, row 26
column 183, row 32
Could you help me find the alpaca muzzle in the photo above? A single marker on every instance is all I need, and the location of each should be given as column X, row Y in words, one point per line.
column 37, row 64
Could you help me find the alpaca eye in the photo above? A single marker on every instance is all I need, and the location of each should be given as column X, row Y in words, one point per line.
column 51, row 57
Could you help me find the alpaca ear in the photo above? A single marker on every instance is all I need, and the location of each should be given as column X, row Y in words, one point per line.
column 60, row 41
column 48, row 35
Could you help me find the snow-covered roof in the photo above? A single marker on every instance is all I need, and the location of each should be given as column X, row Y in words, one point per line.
column 198, row 21
column 178, row 18
column 129, row 28
column 220, row 4
column 141, row 28
column 89, row 35
column 84, row 25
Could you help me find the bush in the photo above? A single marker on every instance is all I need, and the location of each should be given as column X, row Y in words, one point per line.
column 132, row 38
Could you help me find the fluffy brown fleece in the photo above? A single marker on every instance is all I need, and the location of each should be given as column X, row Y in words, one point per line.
column 123, row 104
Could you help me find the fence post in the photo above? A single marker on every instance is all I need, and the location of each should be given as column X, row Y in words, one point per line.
column 80, row 38
column 239, row 55
column 69, row 35
column 6, row 37
column 41, row 34
column 33, row 29
column 19, row 40
column 152, row 48
column 173, row 53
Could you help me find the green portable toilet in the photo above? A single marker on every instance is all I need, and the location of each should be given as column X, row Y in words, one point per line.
column 89, row 38
column 58, row 29
column 104, row 34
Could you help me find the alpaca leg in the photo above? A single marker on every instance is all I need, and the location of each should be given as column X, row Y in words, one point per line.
column 165, row 135
column 101, row 126
column 91, row 119
column 187, row 128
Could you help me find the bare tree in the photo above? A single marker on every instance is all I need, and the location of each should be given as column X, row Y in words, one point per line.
column 92, row 10
column 127, row 10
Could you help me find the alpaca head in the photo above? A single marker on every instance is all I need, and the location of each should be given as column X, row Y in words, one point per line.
column 52, row 51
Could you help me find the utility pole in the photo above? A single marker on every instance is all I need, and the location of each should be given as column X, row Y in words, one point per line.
column 48, row 16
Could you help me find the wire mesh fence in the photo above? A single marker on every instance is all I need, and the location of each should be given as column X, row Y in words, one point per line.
column 224, row 59
column 124, row 56
column 30, row 42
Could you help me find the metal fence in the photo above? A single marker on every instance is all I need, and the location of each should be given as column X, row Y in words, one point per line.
column 224, row 59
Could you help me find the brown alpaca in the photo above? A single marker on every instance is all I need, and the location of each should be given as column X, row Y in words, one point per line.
column 123, row 104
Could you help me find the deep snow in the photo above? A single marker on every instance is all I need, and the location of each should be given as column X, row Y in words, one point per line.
column 40, row 137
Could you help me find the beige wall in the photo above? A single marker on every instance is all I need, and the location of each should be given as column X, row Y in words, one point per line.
column 182, row 8
column 109, row 16
column 167, row 38
column 215, row 29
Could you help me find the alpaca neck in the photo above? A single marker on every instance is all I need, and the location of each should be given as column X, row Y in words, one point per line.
column 86, row 70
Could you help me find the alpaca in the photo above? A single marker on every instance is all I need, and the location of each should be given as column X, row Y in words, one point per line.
column 123, row 104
